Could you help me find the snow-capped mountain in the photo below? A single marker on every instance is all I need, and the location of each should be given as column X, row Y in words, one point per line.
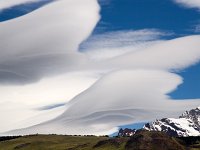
column 188, row 124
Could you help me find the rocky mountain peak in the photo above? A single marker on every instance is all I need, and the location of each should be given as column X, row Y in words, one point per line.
column 126, row 132
column 188, row 124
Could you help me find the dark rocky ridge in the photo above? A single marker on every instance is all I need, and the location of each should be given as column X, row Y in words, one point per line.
column 126, row 132
column 146, row 140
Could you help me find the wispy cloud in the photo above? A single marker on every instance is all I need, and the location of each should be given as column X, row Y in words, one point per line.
column 189, row 3
column 197, row 28
column 112, row 44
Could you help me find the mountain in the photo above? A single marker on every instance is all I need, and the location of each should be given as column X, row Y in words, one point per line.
column 146, row 140
column 188, row 124
column 141, row 140
column 126, row 132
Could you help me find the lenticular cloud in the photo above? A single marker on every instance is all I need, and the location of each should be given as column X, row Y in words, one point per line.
column 129, row 94
column 45, row 40
column 39, row 49
column 127, row 87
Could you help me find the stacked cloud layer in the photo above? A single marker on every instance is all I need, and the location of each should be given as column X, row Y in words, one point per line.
column 61, row 89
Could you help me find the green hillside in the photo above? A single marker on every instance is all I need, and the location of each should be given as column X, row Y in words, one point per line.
column 142, row 140
column 59, row 142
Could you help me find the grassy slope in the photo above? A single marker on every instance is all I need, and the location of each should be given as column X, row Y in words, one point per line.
column 192, row 143
column 141, row 140
column 57, row 142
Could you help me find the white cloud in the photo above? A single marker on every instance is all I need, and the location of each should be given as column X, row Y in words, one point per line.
column 43, row 45
column 61, row 89
column 174, row 54
column 119, row 98
column 189, row 3
column 136, row 94
column 45, row 40
column 25, row 101
column 19, row 115
column 197, row 28
column 109, row 45
column 4, row 4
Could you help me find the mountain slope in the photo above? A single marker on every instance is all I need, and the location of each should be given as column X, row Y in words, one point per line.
column 145, row 140
column 141, row 140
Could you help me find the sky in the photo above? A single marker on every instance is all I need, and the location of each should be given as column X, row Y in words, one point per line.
column 104, row 64
column 163, row 15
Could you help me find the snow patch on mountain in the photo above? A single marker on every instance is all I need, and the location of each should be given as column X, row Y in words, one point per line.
column 188, row 124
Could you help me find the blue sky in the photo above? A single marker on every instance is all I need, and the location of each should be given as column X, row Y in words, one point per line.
column 139, row 14
column 19, row 10
column 164, row 15
column 125, row 15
